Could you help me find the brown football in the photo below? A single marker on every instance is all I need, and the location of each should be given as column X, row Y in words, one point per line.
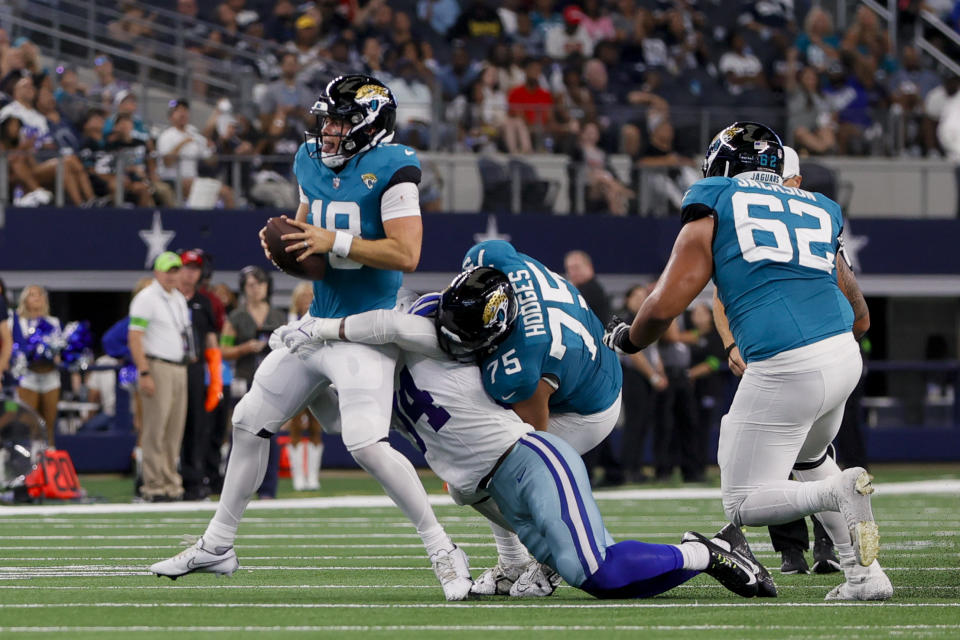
column 313, row 268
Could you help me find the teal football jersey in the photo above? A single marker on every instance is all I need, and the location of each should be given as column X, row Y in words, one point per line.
column 555, row 335
column 774, row 258
column 349, row 200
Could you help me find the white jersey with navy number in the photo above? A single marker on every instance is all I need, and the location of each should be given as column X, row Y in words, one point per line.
column 774, row 255
column 350, row 200
column 442, row 407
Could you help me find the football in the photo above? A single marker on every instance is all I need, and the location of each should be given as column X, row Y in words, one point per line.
column 313, row 268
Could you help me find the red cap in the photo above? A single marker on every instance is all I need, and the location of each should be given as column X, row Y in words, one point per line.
column 573, row 14
column 192, row 256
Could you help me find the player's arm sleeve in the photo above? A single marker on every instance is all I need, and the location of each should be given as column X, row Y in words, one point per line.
column 400, row 201
column 385, row 326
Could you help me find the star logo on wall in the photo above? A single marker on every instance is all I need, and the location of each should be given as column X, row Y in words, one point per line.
column 491, row 232
column 852, row 245
column 156, row 238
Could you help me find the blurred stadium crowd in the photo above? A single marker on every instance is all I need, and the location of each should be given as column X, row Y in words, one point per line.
column 589, row 79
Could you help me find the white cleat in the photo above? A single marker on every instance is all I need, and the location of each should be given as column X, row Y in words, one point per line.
column 863, row 583
column 196, row 559
column 537, row 581
column 853, row 489
column 453, row 571
column 498, row 580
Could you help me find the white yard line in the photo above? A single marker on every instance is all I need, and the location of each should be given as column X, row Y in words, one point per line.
column 926, row 487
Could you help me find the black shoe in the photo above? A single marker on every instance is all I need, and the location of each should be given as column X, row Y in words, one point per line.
column 824, row 558
column 733, row 535
column 728, row 568
column 792, row 562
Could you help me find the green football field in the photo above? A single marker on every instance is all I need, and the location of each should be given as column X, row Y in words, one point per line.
column 344, row 563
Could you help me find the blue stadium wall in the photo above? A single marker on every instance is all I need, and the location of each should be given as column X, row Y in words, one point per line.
column 101, row 241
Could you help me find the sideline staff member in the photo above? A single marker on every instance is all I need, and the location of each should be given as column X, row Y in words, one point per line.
column 161, row 340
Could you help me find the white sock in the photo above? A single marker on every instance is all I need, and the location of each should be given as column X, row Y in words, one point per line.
column 511, row 551
column 696, row 556
column 400, row 481
column 245, row 471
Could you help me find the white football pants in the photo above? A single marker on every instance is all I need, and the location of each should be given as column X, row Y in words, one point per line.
column 787, row 410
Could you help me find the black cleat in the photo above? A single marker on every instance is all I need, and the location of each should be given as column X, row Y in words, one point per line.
column 728, row 568
column 792, row 562
column 733, row 535
column 824, row 557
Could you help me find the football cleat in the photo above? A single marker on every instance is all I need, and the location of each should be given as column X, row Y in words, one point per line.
column 453, row 571
column 733, row 536
column 497, row 581
column 729, row 568
column 537, row 581
column 824, row 557
column 852, row 489
column 863, row 583
column 793, row 562
column 196, row 559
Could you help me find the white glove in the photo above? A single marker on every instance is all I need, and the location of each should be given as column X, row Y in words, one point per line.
column 300, row 333
column 276, row 338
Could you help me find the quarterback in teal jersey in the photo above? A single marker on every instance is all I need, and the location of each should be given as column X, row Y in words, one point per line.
column 795, row 310
column 359, row 205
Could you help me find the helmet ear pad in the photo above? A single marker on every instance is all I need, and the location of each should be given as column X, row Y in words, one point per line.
column 476, row 313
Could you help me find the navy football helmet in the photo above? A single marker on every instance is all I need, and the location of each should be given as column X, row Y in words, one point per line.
column 476, row 313
column 365, row 104
column 744, row 147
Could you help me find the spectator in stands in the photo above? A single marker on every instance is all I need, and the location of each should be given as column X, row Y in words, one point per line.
column 527, row 37
column 598, row 24
column 181, row 146
column 288, row 96
column 569, row 37
column 484, row 119
column 371, row 57
column 643, row 379
column 107, row 86
column 375, row 20
column 227, row 141
column 19, row 154
column 161, row 344
column 414, row 105
column 131, row 153
column 675, row 172
column 71, row 96
column 33, row 135
column 133, row 27
column 61, row 130
column 456, row 77
column 933, row 108
column 623, row 17
column 865, row 39
column 603, row 187
column 908, row 89
column 741, row 68
column 478, row 23
column 509, row 70
column 306, row 40
column 271, row 183
column 439, row 14
column 39, row 387
column 534, row 104
column 280, row 26
column 948, row 130
column 818, row 44
column 857, row 98
column 607, row 99
column 125, row 102
column 810, row 119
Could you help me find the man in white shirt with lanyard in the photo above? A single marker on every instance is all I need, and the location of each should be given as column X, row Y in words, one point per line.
column 161, row 344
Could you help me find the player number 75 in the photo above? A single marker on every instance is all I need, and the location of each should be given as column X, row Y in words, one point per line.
column 511, row 364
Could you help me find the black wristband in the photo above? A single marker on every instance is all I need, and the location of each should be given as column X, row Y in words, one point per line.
column 727, row 350
column 145, row 372
column 625, row 344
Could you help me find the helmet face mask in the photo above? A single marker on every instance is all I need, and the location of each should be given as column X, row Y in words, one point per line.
column 359, row 110
column 744, row 147
column 476, row 313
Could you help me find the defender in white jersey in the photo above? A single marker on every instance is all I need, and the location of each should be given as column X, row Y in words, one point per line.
column 538, row 482
column 359, row 206
column 795, row 311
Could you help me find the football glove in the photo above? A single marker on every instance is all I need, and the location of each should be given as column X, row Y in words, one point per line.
column 617, row 331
